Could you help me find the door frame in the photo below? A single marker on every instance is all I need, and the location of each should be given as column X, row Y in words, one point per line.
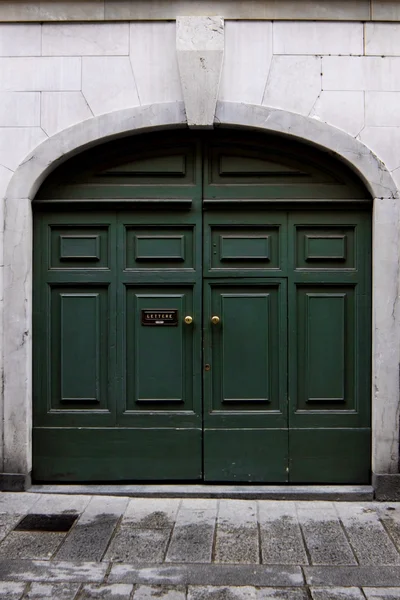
column 17, row 306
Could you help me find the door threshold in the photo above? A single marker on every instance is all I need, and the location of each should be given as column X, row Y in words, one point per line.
column 343, row 493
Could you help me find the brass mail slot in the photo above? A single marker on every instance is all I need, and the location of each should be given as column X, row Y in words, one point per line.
column 160, row 317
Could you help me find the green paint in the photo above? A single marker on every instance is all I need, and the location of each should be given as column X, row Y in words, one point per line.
column 205, row 225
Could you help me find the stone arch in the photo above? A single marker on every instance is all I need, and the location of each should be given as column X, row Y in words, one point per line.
column 17, row 311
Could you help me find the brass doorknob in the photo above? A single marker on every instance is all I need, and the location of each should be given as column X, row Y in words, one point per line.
column 215, row 320
column 188, row 320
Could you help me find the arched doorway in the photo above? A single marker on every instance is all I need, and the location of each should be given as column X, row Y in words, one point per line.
column 265, row 244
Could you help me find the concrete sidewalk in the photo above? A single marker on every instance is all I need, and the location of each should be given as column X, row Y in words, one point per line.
column 198, row 549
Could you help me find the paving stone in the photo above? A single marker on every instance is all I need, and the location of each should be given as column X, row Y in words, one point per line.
column 385, row 576
column 159, row 592
column 11, row 591
column 382, row 593
column 89, row 538
column 59, row 503
column 17, row 503
column 282, row 594
column 367, row 536
column 281, row 539
column 336, row 593
column 19, row 544
column 237, row 532
column 7, row 523
column 116, row 591
column 389, row 515
column 192, row 538
column 59, row 591
column 209, row 592
column 203, row 574
column 151, row 513
column 138, row 545
column 54, row 571
column 323, row 534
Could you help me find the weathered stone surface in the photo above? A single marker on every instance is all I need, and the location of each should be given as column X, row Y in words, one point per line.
column 281, row 540
column 59, row 503
column 115, row 591
column 54, row 571
column 386, row 576
column 90, row 537
column 237, row 532
column 382, row 593
column 367, row 536
column 158, row 592
column 7, row 523
column 336, row 593
column 193, row 534
column 282, row 594
column 10, row 590
column 200, row 51
column 138, row 545
column 151, row 513
column 36, row 545
column 325, row 539
column 221, row 593
column 198, row 574
column 56, row 591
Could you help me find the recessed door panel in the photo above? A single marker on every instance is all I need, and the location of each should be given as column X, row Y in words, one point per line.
column 159, row 349
column 326, row 320
column 160, row 247
column 245, row 381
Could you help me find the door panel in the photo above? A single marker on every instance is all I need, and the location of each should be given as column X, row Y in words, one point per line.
column 159, row 365
column 245, row 244
column 80, row 348
column 329, row 346
column 245, row 380
column 326, row 348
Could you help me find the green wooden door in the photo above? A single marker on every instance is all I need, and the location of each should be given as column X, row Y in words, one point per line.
column 268, row 381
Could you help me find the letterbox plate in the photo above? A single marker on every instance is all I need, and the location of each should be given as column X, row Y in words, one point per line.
column 160, row 317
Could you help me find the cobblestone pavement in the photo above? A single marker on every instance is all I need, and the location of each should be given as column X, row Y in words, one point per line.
column 199, row 549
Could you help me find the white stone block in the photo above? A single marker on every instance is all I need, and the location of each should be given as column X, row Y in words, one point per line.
column 200, row 50
column 108, row 83
column 154, row 62
column 19, row 109
column 317, row 37
column 382, row 109
column 396, row 177
column 81, row 39
column 361, row 73
column 385, row 143
column 309, row 10
column 5, row 177
column 382, row 39
column 341, row 109
column 17, row 142
column 40, row 74
column 20, row 40
column 294, row 83
column 63, row 109
column 247, row 60
column 385, row 10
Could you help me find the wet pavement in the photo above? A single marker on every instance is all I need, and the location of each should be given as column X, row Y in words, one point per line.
column 198, row 548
